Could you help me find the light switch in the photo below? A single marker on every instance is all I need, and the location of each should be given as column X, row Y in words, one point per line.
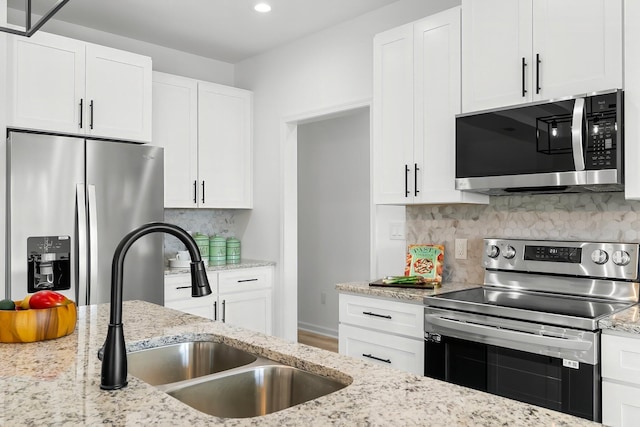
column 461, row 249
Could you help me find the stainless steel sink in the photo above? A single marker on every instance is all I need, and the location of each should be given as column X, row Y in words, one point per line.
column 257, row 391
column 178, row 362
column 221, row 380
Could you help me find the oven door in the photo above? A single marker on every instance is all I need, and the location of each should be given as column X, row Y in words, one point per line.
column 552, row 367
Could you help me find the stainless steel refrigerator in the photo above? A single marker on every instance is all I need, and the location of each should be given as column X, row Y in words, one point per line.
column 69, row 203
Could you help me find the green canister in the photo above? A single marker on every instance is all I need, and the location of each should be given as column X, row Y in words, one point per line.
column 217, row 250
column 233, row 250
column 202, row 240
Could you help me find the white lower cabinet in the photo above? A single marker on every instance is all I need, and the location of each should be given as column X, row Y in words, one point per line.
column 620, row 380
column 382, row 331
column 240, row 297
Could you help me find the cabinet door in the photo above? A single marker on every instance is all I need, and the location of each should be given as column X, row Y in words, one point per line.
column 437, row 101
column 393, row 165
column 496, row 39
column 118, row 94
column 203, row 306
column 620, row 404
column 579, row 43
column 175, row 127
column 225, row 146
column 46, row 82
column 251, row 310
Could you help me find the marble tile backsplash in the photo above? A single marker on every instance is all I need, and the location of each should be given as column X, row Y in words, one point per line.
column 597, row 217
column 222, row 222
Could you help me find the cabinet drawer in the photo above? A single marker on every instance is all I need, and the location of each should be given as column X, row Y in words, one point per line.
column 245, row 279
column 406, row 354
column 621, row 358
column 203, row 306
column 620, row 405
column 383, row 315
column 177, row 287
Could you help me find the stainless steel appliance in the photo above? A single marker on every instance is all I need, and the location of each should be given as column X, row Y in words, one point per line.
column 530, row 333
column 572, row 144
column 69, row 202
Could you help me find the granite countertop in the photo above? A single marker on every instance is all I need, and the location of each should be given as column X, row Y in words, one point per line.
column 401, row 294
column 57, row 382
column 244, row 263
column 625, row 321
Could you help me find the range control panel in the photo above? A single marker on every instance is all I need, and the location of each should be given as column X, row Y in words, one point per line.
column 588, row 259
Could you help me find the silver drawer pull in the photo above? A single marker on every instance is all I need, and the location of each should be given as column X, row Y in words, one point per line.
column 368, row 313
column 247, row 280
column 377, row 358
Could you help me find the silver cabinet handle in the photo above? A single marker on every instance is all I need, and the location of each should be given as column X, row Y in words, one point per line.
column 224, row 311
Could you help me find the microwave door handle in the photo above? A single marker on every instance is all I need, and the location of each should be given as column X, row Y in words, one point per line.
column 578, row 134
column 469, row 330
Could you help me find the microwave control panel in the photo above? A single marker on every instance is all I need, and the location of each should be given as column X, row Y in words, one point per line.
column 602, row 131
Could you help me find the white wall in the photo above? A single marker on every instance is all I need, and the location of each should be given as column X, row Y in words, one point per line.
column 164, row 59
column 333, row 215
column 324, row 70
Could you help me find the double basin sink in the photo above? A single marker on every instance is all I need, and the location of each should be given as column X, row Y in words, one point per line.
column 224, row 381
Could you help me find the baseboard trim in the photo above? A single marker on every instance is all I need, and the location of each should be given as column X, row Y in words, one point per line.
column 320, row 330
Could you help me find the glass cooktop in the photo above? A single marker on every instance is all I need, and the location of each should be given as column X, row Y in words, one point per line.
column 541, row 307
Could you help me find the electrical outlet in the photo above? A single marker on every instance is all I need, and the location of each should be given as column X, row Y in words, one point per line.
column 323, row 298
column 396, row 230
column 461, row 249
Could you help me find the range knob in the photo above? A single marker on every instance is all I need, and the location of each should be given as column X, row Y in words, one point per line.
column 599, row 256
column 493, row 251
column 621, row 258
column 509, row 252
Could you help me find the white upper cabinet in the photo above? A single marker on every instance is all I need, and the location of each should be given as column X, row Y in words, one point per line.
column 175, row 127
column 528, row 50
column 225, row 146
column 119, row 93
column 415, row 99
column 64, row 85
column 206, row 131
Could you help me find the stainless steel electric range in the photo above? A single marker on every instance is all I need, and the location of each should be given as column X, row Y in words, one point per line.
column 530, row 333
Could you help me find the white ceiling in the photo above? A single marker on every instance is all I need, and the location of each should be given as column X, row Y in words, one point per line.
column 226, row 30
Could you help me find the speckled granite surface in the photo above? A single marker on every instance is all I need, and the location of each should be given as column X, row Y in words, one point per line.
column 244, row 263
column 625, row 321
column 402, row 294
column 58, row 383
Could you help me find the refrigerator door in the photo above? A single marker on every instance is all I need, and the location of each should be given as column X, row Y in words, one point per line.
column 43, row 174
column 125, row 190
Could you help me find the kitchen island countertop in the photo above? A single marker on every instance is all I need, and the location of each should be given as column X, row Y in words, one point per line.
column 57, row 382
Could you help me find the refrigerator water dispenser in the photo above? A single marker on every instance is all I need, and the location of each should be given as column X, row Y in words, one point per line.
column 49, row 263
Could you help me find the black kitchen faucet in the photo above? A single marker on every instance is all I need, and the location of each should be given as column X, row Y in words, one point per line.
column 114, row 359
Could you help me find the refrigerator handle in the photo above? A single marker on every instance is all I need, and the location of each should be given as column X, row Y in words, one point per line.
column 81, row 255
column 93, row 239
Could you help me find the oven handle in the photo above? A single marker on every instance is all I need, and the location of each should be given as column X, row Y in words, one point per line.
column 523, row 337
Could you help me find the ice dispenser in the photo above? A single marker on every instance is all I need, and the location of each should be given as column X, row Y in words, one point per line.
column 49, row 263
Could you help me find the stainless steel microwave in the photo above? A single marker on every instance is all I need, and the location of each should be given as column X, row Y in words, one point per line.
column 573, row 144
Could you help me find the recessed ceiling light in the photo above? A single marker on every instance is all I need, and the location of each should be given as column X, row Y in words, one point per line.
column 262, row 7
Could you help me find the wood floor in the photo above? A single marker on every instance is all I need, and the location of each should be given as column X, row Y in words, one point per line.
column 317, row 340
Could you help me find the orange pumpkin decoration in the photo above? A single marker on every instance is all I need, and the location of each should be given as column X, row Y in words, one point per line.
column 37, row 325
